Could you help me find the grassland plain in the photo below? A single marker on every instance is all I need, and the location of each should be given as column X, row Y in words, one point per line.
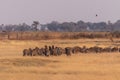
column 13, row 66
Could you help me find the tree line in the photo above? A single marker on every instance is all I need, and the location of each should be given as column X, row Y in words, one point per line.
column 64, row 27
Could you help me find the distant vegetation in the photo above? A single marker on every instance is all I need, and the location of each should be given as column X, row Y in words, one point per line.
column 37, row 35
column 79, row 26
column 56, row 30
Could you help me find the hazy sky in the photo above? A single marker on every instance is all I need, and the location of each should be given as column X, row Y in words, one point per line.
column 44, row 11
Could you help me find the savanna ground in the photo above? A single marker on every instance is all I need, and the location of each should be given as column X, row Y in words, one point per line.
column 13, row 66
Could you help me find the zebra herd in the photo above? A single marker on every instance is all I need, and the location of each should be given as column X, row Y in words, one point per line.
column 57, row 51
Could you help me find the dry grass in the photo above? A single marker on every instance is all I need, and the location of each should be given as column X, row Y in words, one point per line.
column 76, row 67
column 52, row 35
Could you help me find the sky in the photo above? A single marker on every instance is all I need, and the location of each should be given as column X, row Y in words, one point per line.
column 46, row 11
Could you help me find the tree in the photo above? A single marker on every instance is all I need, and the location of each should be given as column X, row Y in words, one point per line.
column 35, row 25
